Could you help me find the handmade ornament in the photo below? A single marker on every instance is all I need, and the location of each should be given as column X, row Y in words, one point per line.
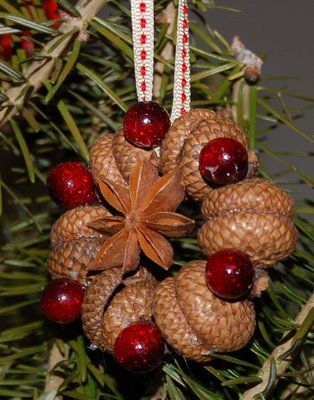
column 253, row 216
column 62, row 300
column 71, row 185
column 194, row 321
column 186, row 141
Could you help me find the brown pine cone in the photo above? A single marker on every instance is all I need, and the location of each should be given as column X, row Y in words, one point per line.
column 103, row 162
column 127, row 155
column 253, row 216
column 109, row 306
column 197, row 323
column 185, row 140
column 71, row 259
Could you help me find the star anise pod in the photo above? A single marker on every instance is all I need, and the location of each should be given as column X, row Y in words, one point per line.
column 146, row 215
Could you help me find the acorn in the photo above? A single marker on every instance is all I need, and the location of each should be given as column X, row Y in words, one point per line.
column 253, row 216
column 187, row 138
column 194, row 321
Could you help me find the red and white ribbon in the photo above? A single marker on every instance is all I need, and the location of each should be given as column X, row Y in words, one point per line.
column 142, row 12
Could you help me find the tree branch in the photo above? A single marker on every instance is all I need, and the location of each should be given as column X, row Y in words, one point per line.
column 281, row 364
column 39, row 71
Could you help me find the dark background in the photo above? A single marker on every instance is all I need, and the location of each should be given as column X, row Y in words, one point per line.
column 284, row 31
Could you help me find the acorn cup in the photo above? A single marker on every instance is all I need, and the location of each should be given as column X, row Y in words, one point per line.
column 253, row 216
column 74, row 244
column 194, row 321
column 187, row 137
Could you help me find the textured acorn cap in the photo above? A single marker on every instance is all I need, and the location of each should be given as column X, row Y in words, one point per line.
column 254, row 194
column 197, row 323
column 132, row 304
column 126, row 154
column 95, row 300
column 265, row 238
column 177, row 134
column 212, row 128
column 102, row 160
column 71, row 259
column 173, row 324
column 73, row 224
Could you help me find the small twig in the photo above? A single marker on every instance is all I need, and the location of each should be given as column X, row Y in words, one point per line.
column 275, row 357
column 40, row 71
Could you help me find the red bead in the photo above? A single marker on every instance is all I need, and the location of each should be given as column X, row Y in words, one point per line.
column 143, row 23
column 62, row 299
column 143, row 86
column 143, row 54
column 184, row 53
column 185, row 38
column 71, row 185
column 139, row 347
column 223, row 161
column 184, row 68
column 185, row 9
column 182, row 111
column 50, row 8
column 145, row 124
column 229, row 274
column 183, row 97
column 143, row 39
column 185, row 23
column 143, row 7
column 184, row 82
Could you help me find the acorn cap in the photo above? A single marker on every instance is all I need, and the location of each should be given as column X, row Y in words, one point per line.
column 265, row 238
column 131, row 305
column 102, row 160
column 127, row 155
column 212, row 128
column 253, row 194
column 95, row 300
column 73, row 224
column 109, row 306
column 177, row 134
column 197, row 323
column 71, row 259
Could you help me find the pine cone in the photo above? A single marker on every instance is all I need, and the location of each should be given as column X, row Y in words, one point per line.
column 185, row 140
column 194, row 321
column 109, row 306
column 126, row 154
column 103, row 162
column 253, row 216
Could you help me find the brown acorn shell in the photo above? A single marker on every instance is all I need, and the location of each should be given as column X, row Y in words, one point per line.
column 126, row 154
column 109, row 306
column 197, row 323
column 176, row 136
column 103, row 162
column 73, row 224
column 71, row 259
column 265, row 238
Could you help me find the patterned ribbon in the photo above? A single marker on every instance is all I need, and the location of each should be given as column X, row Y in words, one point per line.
column 142, row 12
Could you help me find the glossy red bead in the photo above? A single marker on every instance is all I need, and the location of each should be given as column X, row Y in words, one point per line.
column 71, row 185
column 229, row 274
column 223, row 161
column 139, row 347
column 62, row 300
column 146, row 124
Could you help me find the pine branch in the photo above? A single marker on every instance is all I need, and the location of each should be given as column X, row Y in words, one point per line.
column 40, row 70
column 277, row 358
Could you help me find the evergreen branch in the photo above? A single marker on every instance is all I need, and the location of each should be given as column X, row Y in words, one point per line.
column 277, row 362
column 40, row 70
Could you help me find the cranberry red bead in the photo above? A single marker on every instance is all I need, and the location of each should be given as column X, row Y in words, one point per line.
column 62, row 300
column 229, row 274
column 223, row 161
column 146, row 124
column 140, row 347
column 71, row 185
